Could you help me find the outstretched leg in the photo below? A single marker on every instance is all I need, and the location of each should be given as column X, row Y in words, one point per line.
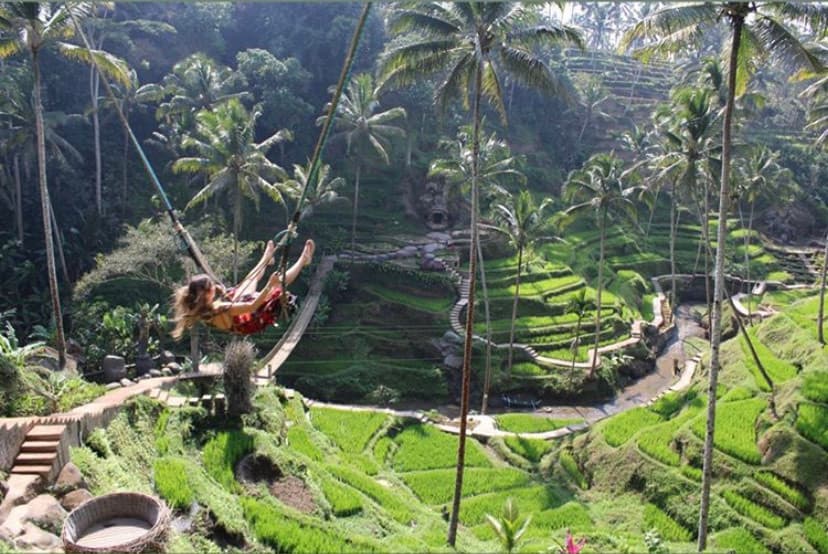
column 250, row 283
column 304, row 259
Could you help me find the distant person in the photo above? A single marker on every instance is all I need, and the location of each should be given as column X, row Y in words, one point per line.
column 240, row 309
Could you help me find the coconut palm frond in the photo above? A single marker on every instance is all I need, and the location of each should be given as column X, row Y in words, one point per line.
column 112, row 66
column 785, row 46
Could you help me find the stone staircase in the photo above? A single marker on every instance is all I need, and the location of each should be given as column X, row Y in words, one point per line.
column 41, row 453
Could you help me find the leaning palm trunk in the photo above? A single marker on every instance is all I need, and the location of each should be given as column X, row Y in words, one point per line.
column 821, row 314
column 706, row 232
column 59, row 243
column 673, row 231
column 467, row 347
column 747, row 262
column 18, row 198
column 94, row 90
column 237, row 215
column 356, row 209
column 716, row 318
column 599, row 291
column 514, row 313
column 45, row 204
column 576, row 342
column 487, row 375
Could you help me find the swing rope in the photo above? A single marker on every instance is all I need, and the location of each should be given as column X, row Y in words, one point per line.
column 285, row 237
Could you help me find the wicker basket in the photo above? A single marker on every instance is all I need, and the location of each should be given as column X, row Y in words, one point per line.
column 117, row 522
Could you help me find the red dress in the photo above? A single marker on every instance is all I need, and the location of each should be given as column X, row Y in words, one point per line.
column 266, row 314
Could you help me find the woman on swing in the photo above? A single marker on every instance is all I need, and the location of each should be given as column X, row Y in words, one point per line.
column 241, row 309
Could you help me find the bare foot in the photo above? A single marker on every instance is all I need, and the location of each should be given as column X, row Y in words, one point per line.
column 270, row 249
column 307, row 253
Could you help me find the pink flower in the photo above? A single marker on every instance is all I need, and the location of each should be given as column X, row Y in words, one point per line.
column 573, row 546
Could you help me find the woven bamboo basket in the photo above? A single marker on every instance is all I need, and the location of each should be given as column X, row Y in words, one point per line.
column 118, row 522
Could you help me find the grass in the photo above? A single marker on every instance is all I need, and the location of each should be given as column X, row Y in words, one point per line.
column 815, row 534
column 781, row 487
column 222, row 453
column 424, row 447
column 778, row 370
column 531, row 449
column 299, row 439
column 436, row 486
column 437, row 305
column 737, row 540
column 170, row 475
column 815, row 386
column 754, row 511
column 571, row 467
column 527, row 423
column 621, row 428
column 350, row 431
column 735, row 433
column 389, row 500
column 657, row 440
column 667, row 527
column 812, row 423
column 344, row 501
column 530, row 499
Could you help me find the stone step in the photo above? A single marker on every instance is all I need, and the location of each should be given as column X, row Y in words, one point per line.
column 46, row 432
column 43, row 471
column 40, row 446
column 35, row 458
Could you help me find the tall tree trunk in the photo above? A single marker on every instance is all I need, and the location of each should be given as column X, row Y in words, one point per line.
column 94, row 89
column 487, row 375
column 124, row 170
column 716, row 320
column 195, row 354
column 59, row 243
column 821, row 314
column 467, row 347
column 603, row 224
column 576, row 343
column 44, row 207
column 673, row 231
column 747, row 262
column 237, row 215
column 706, row 231
column 756, row 359
column 356, row 209
column 18, row 198
column 514, row 313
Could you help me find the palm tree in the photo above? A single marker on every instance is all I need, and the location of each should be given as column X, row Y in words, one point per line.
column 32, row 28
column 508, row 527
column 686, row 128
column 522, row 221
column 757, row 174
column 578, row 305
column 232, row 161
column 601, row 188
column 468, row 43
column 364, row 129
column 324, row 191
column 757, row 31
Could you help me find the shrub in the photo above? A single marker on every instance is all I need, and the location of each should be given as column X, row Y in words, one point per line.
column 735, row 433
column 571, row 466
column 436, row 486
column 350, row 431
column 343, row 499
column 424, row 447
column 527, row 423
column 283, row 534
column 753, row 511
column 667, row 527
column 738, row 540
column 812, row 423
column 784, row 489
column 816, row 535
column 222, row 453
column 170, row 475
column 531, row 449
column 621, row 428
column 239, row 357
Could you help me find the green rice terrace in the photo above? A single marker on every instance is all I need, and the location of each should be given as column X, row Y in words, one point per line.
column 472, row 277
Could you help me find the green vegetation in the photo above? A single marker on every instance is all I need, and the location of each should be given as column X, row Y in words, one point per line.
column 571, row 466
column 527, row 423
column 343, row 499
column 752, row 510
column 738, row 540
column 299, row 439
column 171, row 481
column 812, row 422
column 815, row 387
column 667, row 527
column 436, row 486
column 424, row 447
column 389, row 499
column 778, row 485
column 621, row 428
column 816, row 534
column 222, row 453
column 779, row 371
column 531, row 499
column 735, row 428
column 531, row 449
column 349, row 430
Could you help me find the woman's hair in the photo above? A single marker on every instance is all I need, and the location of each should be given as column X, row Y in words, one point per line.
column 190, row 304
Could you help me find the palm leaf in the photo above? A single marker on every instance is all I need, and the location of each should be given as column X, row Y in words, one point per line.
column 490, row 87
column 406, row 20
column 8, row 48
column 109, row 64
column 784, row 46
